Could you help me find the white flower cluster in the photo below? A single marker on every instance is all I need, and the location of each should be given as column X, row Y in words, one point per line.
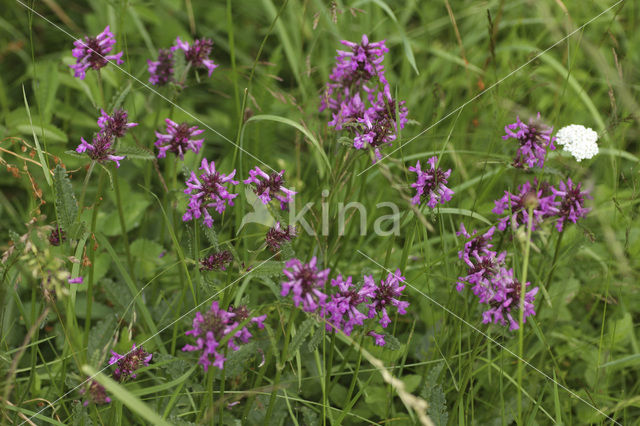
column 578, row 140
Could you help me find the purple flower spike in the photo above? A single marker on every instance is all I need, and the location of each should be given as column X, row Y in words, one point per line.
column 77, row 280
column 128, row 363
column 277, row 236
column 304, row 283
column 430, row 184
column 384, row 296
column 179, row 139
column 359, row 97
column 97, row 394
column 115, row 125
column 379, row 338
column 571, row 204
column 209, row 329
column 534, row 139
column 198, row 53
column 93, row 53
column 207, row 192
column 161, row 70
column 539, row 198
column 219, row 260
column 343, row 304
column 270, row 186
column 505, row 299
column 57, row 236
column 100, row 150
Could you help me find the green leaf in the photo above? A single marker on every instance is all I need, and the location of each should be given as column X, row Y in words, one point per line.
column 118, row 98
column 135, row 153
column 434, row 395
column 43, row 163
column 301, row 334
column 303, row 130
column 127, row 398
column 66, row 205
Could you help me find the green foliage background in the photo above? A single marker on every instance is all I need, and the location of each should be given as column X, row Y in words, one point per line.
column 442, row 56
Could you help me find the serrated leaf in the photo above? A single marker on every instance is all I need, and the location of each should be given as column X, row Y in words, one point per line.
column 211, row 235
column 434, row 395
column 66, row 205
column 99, row 337
column 315, row 340
column 134, row 152
column 118, row 98
column 301, row 334
column 269, row 268
column 237, row 361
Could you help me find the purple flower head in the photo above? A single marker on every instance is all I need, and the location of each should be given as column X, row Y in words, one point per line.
column 115, row 125
column 534, row 139
column 571, row 204
column 341, row 311
column 93, row 53
column 384, row 296
column 77, row 280
column 198, row 53
column 178, row 139
column 161, row 70
column 475, row 247
column 277, row 236
column 212, row 327
column 537, row 197
column 356, row 67
column 100, row 150
column 430, row 184
column 208, row 191
column 270, row 186
column 304, row 283
column 480, row 274
column 57, row 236
column 97, row 394
column 218, row 260
column 359, row 97
column 379, row 338
column 128, row 363
column 504, row 300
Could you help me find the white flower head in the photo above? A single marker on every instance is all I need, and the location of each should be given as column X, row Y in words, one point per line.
column 578, row 140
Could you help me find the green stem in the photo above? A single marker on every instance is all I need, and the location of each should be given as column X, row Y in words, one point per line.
column 125, row 237
column 84, row 186
column 279, row 368
column 523, row 290
column 92, row 258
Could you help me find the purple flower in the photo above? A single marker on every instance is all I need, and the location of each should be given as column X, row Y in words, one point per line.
column 270, row 186
column 57, row 236
column 343, row 304
column 115, row 125
column 212, row 327
column 97, row 394
column 538, row 197
column 207, row 192
column 475, row 247
column 218, row 260
column 161, row 70
column 179, row 139
column 504, row 300
column 277, row 236
column 100, row 150
column 77, row 280
column 571, row 204
column 93, row 53
column 430, row 184
column 384, row 296
column 128, row 363
column 534, row 139
column 379, row 338
column 304, row 283
column 198, row 53
column 359, row 97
